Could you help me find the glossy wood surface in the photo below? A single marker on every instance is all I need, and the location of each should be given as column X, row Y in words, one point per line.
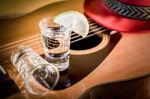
column 130, row 89
column 118, row 66
column 124, row 62
column 26, row 26
column 25, row 29
column 79, row 68
column 129, row 59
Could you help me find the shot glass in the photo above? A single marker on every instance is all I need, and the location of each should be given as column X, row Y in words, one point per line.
column 56, row 42
column 39, row 76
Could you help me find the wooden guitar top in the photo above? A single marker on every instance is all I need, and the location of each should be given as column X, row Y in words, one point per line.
column 129, row 59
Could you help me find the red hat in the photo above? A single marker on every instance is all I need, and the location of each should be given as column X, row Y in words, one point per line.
column 132, row 16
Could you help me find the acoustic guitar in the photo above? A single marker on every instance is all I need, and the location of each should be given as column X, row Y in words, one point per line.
column 118, row 57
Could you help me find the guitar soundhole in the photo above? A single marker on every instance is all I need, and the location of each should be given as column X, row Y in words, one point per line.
column 86, row 43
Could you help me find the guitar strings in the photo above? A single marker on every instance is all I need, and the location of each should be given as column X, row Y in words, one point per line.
column 34, row 41
column 94, row 29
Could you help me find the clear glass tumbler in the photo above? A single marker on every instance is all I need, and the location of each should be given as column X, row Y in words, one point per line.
column 39, row 76
column 56, row 42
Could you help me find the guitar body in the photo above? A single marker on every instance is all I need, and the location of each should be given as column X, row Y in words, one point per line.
column 122, row 57
column 17, row 8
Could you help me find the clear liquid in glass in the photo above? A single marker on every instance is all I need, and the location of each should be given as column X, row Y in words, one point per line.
column 56, row 42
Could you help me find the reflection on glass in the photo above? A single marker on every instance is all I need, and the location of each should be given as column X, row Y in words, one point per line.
column 38, row 74
column 56, row 43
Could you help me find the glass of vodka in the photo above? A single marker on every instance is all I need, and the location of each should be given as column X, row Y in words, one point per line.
column 39, row 76
column 56, row 42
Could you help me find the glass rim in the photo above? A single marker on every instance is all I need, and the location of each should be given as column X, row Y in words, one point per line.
column 43, row 26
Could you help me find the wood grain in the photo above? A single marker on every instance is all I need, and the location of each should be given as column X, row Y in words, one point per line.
column 26, row 26
column 129, row 59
